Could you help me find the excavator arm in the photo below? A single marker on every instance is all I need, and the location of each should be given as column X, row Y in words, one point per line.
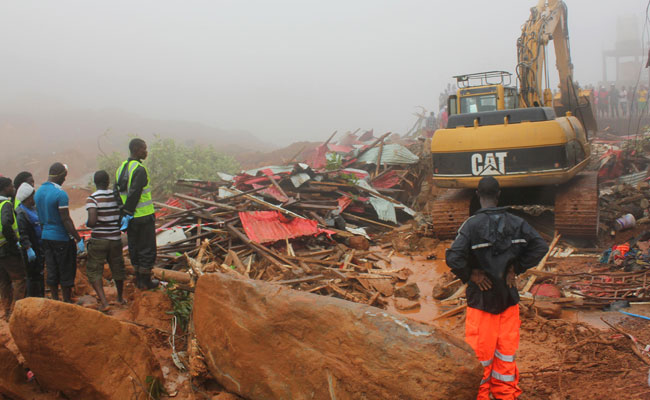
column 548, row 22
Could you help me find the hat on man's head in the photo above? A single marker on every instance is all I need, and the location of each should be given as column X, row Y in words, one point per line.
column 24, row 191
column 488, row 186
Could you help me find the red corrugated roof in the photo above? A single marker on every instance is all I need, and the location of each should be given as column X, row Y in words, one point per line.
column 387, row 180
column 271, row 226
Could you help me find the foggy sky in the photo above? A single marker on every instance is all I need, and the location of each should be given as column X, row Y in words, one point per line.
column 283, row 70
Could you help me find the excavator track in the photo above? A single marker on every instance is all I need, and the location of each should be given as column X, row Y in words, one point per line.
column 449, row 210
column 576, row 207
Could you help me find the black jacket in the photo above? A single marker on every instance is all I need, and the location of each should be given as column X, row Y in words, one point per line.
column 138, row 182
column 28, row 236
column 492, row 240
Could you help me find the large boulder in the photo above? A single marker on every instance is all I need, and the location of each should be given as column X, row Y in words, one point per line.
column 13, row 379
column 264, row 341
column 81, row 352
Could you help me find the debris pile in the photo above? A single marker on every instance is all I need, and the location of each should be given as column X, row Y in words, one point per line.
column 308, row 225
column 623, row 174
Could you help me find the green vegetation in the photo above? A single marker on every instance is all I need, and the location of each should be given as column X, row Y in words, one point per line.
column 169, row 161
column 182, row 304
column 155, row 388
column 334, row 163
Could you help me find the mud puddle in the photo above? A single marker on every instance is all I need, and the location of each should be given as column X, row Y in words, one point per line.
column 426, row 274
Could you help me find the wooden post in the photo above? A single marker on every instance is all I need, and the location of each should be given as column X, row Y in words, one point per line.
column 381, row 150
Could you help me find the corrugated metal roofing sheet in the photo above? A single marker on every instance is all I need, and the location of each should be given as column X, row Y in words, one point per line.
column 273, row 169
column 299, row 179
column 392, row 154
column 271, row 226
column 633, row 179
column 387, row 180
column 384, row 208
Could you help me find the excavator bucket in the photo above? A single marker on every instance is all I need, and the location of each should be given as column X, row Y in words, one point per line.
column 585, row 113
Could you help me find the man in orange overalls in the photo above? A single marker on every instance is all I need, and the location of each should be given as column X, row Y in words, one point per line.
column 491, row 248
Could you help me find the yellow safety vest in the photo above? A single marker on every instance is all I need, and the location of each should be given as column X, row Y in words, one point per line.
column 145, row 203
column 14, row 226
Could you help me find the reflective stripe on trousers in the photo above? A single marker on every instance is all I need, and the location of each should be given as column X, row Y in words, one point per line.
column 495, row 339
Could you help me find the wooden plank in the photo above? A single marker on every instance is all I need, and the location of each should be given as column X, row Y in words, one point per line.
column 541, row 264
column 381, row 150
column 266, row 204
column 237, row 233
column 238, row 264
column 204, row 201
column 301, row 280
column 451, row 312
column 356, row 217
column 168, row 274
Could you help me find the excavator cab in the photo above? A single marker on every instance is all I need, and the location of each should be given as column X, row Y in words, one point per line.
column 482, row 92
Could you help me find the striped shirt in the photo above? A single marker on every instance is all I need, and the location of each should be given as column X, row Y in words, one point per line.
column 108, row 215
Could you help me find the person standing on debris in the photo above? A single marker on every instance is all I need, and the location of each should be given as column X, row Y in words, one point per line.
column 613, row 101
column 622, row 99
column 30, row 240
column 22, row 177
column 12, row 269
column 59, row 234
column 491, row 248
column 642, row 105
column 430, row 125
column 105, row 242
column 631, row 100
column 134, row 186
column 603, row 101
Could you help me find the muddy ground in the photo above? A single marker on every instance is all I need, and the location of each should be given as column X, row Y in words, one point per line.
column 575, row 357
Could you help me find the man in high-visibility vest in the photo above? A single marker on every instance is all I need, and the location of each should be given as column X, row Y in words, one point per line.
column 134, row 186
column 493, row 246
column 12, row 269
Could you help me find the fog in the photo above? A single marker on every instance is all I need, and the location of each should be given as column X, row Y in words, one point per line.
column 281, row 70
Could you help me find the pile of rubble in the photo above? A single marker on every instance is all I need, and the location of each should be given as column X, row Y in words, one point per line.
column 623, row 167
column 308, row 225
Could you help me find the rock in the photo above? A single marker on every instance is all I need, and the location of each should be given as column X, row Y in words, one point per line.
column 383, row 286
column 150, row 308
column 546, row 290
column 86, row 300
column 80, row 352
column 403, row 304
column 226, row 396
column 13, row 379
column 443, row 289
column 264, row 341
column 410, row 291
column 548, row 310
column 644, row 203
column 359, row 243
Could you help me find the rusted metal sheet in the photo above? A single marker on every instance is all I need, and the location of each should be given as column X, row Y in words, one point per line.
column 271, row 226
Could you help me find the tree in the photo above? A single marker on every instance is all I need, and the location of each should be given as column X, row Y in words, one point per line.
column 169, row 161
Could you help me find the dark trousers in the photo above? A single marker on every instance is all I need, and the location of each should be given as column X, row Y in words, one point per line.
column 61, row 262
column 12, row 280
column 142, row 243
column 35, row 276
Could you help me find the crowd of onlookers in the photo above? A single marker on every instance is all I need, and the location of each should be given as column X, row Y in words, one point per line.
column 39, row 242
column 620, row 102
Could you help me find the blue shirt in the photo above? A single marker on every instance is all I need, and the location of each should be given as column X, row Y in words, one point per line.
column 49, row 199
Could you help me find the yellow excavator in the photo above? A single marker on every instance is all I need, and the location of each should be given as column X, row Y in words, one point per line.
column 533, row 142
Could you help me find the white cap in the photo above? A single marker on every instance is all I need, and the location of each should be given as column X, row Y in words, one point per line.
column 24, row 191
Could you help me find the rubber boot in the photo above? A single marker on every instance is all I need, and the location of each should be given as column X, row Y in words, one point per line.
column 67, row 294
column 145, row 281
